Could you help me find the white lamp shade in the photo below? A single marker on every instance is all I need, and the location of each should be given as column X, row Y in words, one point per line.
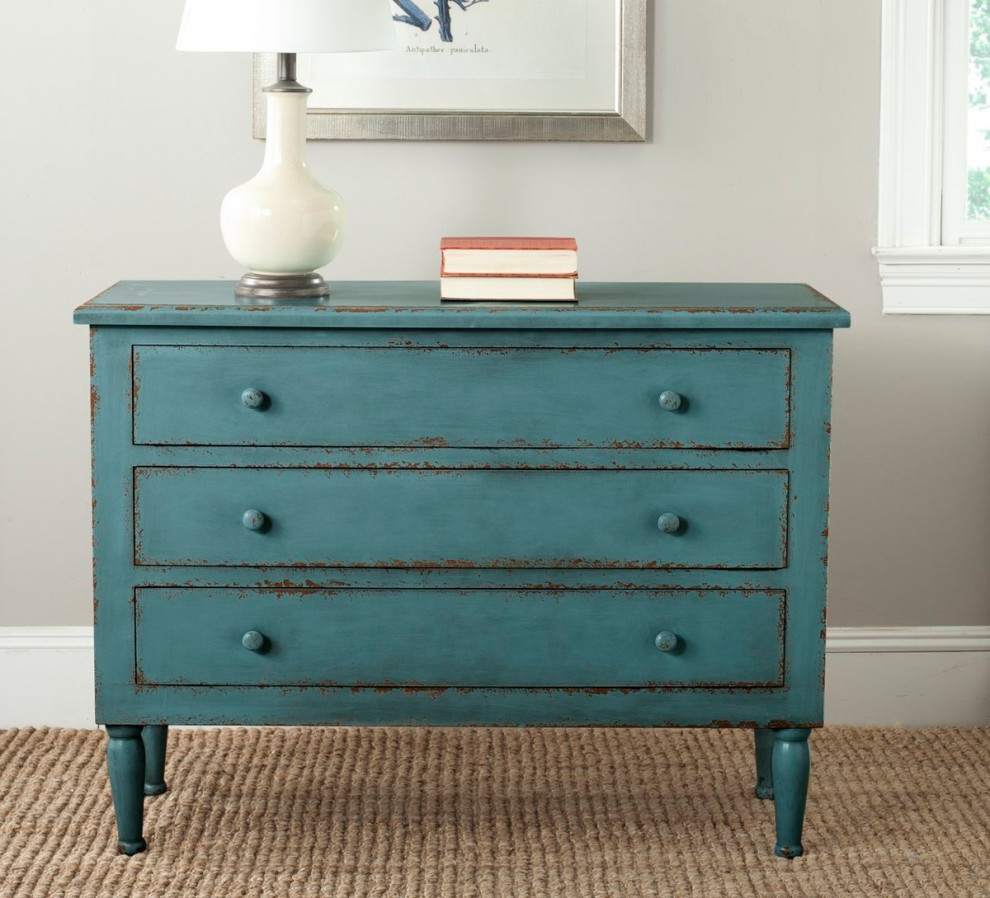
column 287, row 26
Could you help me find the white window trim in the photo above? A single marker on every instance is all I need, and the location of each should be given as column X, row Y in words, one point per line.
column 918, row 274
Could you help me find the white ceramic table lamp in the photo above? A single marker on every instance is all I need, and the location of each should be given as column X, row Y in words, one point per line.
column 283, row 224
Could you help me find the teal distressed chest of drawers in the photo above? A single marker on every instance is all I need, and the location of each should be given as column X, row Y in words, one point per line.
column 381, row 509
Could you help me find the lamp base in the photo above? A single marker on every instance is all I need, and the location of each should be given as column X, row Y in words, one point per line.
column 282, row 286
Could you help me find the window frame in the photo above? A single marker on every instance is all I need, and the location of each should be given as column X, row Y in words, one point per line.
column 919, row 272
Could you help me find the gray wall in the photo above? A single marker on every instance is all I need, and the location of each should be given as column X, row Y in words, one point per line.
column 761, row 166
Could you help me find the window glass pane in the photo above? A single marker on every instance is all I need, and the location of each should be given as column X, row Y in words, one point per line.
column 978, row 119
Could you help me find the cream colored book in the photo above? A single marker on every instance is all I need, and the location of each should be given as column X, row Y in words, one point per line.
column 555, row 289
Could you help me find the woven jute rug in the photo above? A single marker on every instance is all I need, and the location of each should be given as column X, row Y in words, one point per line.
column 498, row 812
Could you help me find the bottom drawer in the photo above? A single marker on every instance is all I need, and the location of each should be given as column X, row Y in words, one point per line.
column 470, row 638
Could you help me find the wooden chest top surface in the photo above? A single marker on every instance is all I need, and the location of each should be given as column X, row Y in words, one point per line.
column 417, row 304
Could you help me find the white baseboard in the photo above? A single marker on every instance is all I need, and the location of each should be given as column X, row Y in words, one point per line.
column 907, row 676
column 875, row 676
column 46, row 677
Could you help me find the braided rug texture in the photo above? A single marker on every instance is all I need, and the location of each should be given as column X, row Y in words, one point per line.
column 497, row 812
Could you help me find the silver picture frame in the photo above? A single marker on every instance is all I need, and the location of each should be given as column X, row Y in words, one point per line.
column 627, row 122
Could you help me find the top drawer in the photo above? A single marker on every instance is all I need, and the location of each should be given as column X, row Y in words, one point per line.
column 461, row 397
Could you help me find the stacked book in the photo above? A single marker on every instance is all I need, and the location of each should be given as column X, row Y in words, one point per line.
column 508, row 268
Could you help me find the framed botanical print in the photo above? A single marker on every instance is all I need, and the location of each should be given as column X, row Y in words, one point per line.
column 484, row 70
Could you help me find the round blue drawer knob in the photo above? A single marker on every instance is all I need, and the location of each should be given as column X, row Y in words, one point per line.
column 666, row 641
column 254, row 641
column 253, row 519
column 253, row 398
column 670, row 400
column 669, row 523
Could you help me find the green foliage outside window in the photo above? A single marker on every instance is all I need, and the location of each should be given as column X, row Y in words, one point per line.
column 978, row 205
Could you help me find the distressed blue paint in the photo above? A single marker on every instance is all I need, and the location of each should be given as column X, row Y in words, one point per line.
column 250, row 398
column 763, row 739
column 155, row 739
column 376, row 517
column 791, row 768
column 253, row 641
column 589, row 639
column 436, row 706
column 416, row 304
column 252, row 519
column 125, row 764
column 527, row 442
column 666, row 641
column 504, row 397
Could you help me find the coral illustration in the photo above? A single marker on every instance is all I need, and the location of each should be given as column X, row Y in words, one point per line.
column 414, row 15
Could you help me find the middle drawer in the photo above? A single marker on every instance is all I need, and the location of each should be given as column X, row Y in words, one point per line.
column 408, row 518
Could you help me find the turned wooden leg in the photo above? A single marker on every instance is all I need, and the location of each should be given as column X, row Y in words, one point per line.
column 155, row 739
column 763, row 741
column 125, row 761
column 791, row 767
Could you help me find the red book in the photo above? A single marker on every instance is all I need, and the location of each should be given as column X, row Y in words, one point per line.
column 508, row 257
